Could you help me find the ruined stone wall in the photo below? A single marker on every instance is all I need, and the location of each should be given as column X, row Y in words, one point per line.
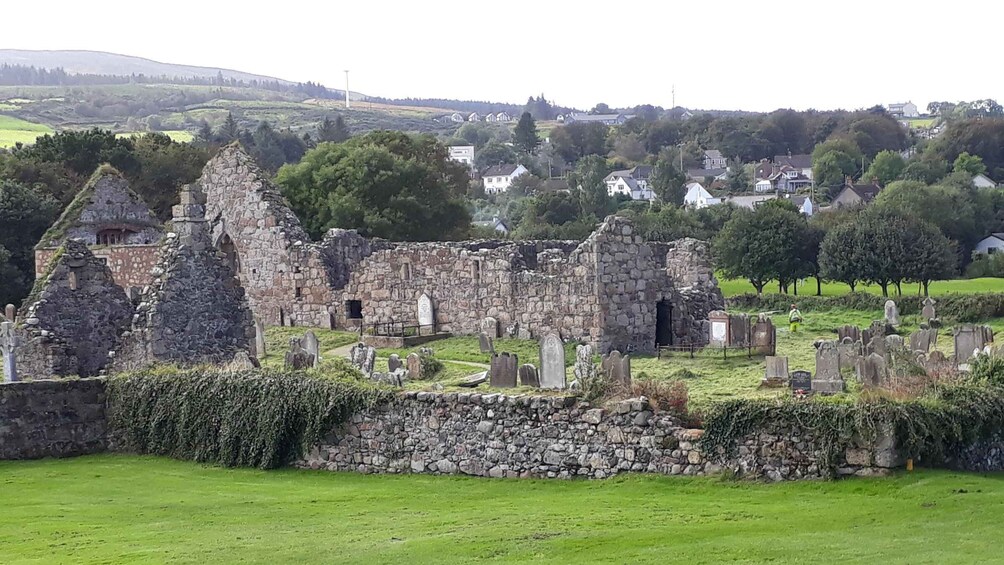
column 286, row 276
column 691, row 272
column 130, row 265
column 494, row 435
column 112, row 205
column 52, row 418
column 74, row 318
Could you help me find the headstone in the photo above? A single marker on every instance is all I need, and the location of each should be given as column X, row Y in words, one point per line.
column 936, row 358
column 9, row 342
column 394, row 362
column 927, row 313
column 800, row 380
column 876, row 344
column 504, row 370
column 617, row 367
column 923, row 340
column 475, row 380
column 871, row 370
column 891, row 313
column 552, row 362
column 369, row 361
column 414, row 365
column 242, row 362
column 524, row 333
column 259, row 339
column 585, row 370
column 776, row 372
column 490, row 326
column 850, row 352
column 10, row 312
column 528, row 376
column 739, row 330
column 719, row 328
column 970, row 338
column 298, row 358
column 827, row 378
column 848, row 332
column 877, row 328
column 311, row 345
column 894, row 342
column 764, row 335
column 426, row 314
column 485, row 342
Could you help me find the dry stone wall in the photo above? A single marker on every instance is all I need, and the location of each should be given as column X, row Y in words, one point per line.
column 130, row 265
column 52, row 418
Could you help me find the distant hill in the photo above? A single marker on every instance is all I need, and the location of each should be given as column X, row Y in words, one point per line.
column 102, row 63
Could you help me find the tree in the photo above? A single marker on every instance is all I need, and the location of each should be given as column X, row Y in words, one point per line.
column 972, row 164
column 82, row 151
column 384, row 184
column 525, row 134
column 601, row 108
column 738, row 179
column 840, row 255
column 668, row 182
column 164, row 166
column 832, row 168
column 887, row 167
column 763, row 245
column 333, row 130
column 231, row 130
column 925, row 170
column 594, row 199
column 24, row 217
column 494, row 154
column 578, row 139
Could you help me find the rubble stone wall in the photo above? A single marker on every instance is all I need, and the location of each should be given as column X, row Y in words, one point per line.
column 130, row 264
column 52, row 418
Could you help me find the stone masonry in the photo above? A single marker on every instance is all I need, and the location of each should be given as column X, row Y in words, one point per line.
column 52, row 419
column 74, row 317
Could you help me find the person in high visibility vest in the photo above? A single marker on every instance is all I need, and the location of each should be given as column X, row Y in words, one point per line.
column 794, row 318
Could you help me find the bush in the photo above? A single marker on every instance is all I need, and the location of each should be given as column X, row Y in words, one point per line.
column 430, row 366
column 261, row 418
column 958, row 307
column 986, row 266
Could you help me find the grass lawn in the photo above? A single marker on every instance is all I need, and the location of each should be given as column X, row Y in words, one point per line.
column 14, row 130
column 277, row 342
column 733, row 287
column 115, row 509
column 181, row 136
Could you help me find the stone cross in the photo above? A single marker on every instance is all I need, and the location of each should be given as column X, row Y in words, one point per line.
column 928, row 313
column 9, row 342
column 891, row 313
column 312, row 345
column 552, row 362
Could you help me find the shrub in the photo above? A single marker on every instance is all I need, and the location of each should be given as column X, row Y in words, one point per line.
column 986, row 266
column 958, row 307
column 262, row 418
column 671, row 396
column 430, row 366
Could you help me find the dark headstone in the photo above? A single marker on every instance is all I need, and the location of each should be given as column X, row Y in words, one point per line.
column 504, row 370
column 800, row 380
column 528, row 376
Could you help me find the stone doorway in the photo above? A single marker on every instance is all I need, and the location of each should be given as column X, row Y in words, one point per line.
column 663, row 323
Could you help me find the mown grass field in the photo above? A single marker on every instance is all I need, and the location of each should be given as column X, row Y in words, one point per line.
column 733, row 287
column 117, row 509
column 14, row 130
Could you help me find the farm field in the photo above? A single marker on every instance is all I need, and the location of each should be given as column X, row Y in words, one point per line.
column 733, row 287
column 117, row 509
column 14, row 130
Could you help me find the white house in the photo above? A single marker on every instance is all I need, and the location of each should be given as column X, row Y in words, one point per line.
column 503, row 117
column 462, row 154
column 903, row 110
column 474, row 117
column 804, row 205
column 500, row 177
column 763, row 185
column 631, row 182
column 983, row 181
column 713, row 159
column 697, row 197
column 490, row 117
column 994, row 243
column 605, row 119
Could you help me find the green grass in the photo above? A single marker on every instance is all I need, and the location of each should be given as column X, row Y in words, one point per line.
column 466, row 348
column 116, row 509
column 733, row 287
column 14, row 130
column 181, row 136
column 922, row 123
column 277, row 342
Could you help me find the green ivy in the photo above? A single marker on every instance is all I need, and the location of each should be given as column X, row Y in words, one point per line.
column 262, row 418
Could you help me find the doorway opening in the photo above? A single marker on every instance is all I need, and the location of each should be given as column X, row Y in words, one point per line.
column 663, row 323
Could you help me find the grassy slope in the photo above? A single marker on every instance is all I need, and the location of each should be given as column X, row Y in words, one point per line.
column 732, row 287
column 124, row 509
column 14, row 130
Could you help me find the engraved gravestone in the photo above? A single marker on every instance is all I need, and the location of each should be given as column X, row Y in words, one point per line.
column 485, row 343
column 10, row 312
column 552, row 363
column 800, row 380
column 426, row 314
column 528, row 376
column 891, row 313
column 296, row 357
column 490, row 326
column 259, row 339
column 871, row 370
column 970, row 338
column 9, row 342
column 923, row 340
column 850, row 352
column 719, row 328
column 394, row 362
column 504, row 370
column 414, row 366
column 585, row 370
column 827, row 378
column 369, row 361
column 928, row 313
column 617, row 367
column 764, row 335
column 849, row 332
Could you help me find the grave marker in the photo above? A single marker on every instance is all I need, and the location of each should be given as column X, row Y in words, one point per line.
column 528, row 376
column 776, row 372
column 504, row 370
column 871, row 370
column 259, row 339
column 617, row 367
column 414, row 366
column 311, row 345
column 297, row 358
column 10, row 312
column 891, row 313
column 485, row 343
column 9, row 342
column 490, row 326
column 928, row 312
column 394, row 362
column 426, row 314
column 827, row 378
column 552, row 362
column 800, row 380
column 719, row 328
column 970, row 338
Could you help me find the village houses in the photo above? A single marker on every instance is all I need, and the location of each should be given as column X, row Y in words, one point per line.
column 632, row 182
column 500, row 177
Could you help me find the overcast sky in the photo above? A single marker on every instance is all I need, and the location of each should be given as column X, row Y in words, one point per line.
column 730, row 54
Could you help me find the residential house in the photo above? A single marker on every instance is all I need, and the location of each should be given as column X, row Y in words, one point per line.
column 749, row 202
column 503, row 117
column 903, row 110
column 788, row 173
column 605, row 119
column 701, row 175
column 802, row 163
column 456, row 117
column 631, row 182
column 496, row 223
column 491, row 118
column 994, row 243
column 462, row 154
column 853, row 195
column 804, row 204
column 500, row 177
column 713, row 159
column 698, row 197
column 983, row 181
column 554, row 185
column 474, row 117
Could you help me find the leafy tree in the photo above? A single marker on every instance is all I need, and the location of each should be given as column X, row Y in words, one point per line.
column 763, row 245
column 629, row 148
column 333, row 130
column 738, row 178
column 840, row 255
column 668, row 182
column 525, row 134
column 82, row 151
column 385, row 184
column 594, row 199
column 832, row 168
column 164, row 166
column 972, row 164
column 554, row 215
column 494, row 154
column 925, row 170
column 578, row 139
column 601, row 108
column 24, row 217
column 887, row 167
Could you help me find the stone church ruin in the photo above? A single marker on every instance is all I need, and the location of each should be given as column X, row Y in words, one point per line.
column 236, row 255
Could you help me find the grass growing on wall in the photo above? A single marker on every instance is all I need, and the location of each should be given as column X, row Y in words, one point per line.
column 118, row 509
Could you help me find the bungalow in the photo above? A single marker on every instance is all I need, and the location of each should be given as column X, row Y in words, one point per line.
column 903, row 110
column 713, row 159
column 490, row 117
column 698, row 197
column 983, row 181
column 854, row 195
column 994, row 243
column 605, row 119
column 631, row 182
column 456, row 117
column 500, row 177
column 503, row 117
column 474, row 117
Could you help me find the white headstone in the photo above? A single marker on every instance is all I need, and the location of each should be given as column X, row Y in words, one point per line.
column 312, row 346
column 891, row 313
column 426, row 315
column 552, row 362
column 9, row 343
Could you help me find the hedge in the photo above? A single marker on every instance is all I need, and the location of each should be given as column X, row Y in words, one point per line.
column 957, row 307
